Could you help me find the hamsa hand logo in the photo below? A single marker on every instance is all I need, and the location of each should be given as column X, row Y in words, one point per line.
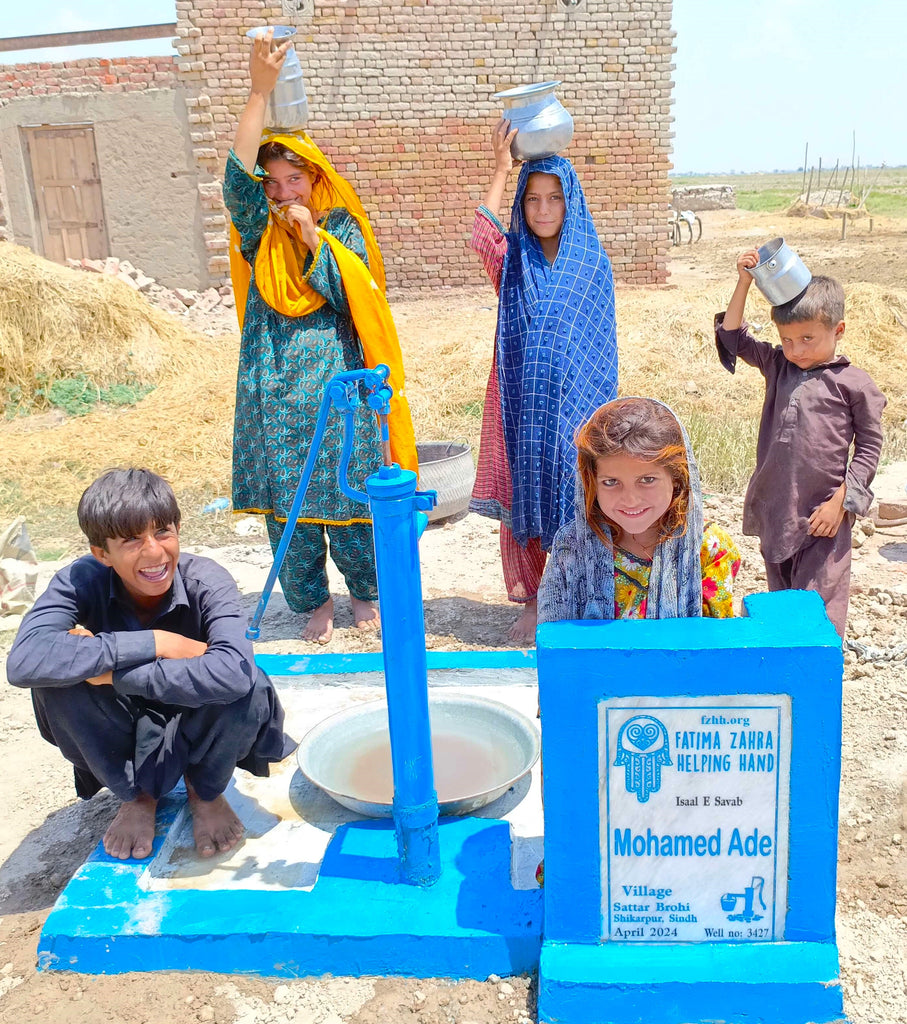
column 642, row 749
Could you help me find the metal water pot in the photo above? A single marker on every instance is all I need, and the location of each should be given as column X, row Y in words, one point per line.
column 780, row 274
column 545, row 126
column 288, row 107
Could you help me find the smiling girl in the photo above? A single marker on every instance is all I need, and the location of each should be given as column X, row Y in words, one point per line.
column 309, row 282
column 638, row 548
column 555, row 359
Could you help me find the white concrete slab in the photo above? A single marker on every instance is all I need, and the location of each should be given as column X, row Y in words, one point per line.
column 289, row 822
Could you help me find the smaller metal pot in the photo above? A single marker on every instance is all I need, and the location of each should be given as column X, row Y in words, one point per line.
column 780, row 274
column 545, row 126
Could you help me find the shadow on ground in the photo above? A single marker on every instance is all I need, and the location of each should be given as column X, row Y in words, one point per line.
column 34, row 874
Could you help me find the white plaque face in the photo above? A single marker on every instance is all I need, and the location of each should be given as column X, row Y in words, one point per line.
column 694, row 795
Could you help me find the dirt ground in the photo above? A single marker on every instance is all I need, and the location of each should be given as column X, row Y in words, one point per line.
column 47, row 833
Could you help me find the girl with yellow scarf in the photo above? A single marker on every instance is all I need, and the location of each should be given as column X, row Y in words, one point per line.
column 309, row 283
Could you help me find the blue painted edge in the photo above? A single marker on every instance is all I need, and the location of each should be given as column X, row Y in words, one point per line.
column 771, row 621
column 330, row 664
column 637, row 963
column 756, row 983
column 359, row 919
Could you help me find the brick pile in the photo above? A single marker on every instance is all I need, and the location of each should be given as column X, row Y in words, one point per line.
column 703, row 197
column 400, row 99
column 173, row 300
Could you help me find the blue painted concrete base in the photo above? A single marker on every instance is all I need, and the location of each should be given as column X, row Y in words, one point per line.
column 359, row 919
column 759, row 983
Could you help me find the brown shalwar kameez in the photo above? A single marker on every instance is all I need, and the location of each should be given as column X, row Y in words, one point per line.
column 810, row 418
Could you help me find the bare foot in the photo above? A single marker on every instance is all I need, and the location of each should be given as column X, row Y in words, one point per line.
column 320, row 627
column 215, row 825
column 523, row 630
column 365, row 614
column 131, row 833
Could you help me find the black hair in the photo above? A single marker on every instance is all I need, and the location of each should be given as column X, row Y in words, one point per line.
column 278, row 151
column 822, row 299
column 122, row 502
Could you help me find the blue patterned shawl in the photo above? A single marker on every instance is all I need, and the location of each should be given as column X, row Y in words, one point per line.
column 579, row 578
column 557, row 354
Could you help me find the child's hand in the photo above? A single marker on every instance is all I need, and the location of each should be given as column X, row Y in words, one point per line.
column 501, row 138
column 746, row 261
column 265, row 63
column 301, row 218
column 827, row 518
column 106, row 678
column 175, row 645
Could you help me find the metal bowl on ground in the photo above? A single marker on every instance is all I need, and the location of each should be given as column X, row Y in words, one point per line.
column 480, row 749
column 446, row 467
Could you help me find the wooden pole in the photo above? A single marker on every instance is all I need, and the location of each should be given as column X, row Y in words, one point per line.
column 805, row 158
column 831, row 181
column 843, row 186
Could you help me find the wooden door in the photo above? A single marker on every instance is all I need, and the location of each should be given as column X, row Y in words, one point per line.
column 66, row 189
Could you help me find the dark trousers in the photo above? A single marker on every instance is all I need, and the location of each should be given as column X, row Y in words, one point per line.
column 823, row 565
column 135, row 746
column 303, row 577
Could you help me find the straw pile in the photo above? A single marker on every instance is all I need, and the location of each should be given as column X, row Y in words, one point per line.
column 183, row 429
column 56, row 323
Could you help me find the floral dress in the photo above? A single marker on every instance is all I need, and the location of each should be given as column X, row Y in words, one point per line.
column 720, row 562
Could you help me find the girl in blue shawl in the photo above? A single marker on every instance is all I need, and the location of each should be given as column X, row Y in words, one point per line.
column 555, row 359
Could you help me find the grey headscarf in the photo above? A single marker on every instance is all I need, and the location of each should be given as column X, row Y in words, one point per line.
column 579, row 578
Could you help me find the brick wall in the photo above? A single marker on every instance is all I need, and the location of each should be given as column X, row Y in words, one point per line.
column 400, row 98
column 92, row 75
column 120, row 74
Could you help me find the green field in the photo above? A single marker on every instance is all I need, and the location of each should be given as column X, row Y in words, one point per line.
column 776, row 191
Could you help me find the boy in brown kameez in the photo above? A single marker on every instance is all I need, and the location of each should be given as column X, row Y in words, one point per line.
column 806, row 490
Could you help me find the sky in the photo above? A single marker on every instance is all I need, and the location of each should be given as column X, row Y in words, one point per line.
column 756, row 80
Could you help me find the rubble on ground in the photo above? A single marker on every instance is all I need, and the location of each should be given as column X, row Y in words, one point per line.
column 178, row 301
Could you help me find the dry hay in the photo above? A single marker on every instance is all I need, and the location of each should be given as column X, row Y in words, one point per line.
column 447, row 362
column 56, row 323
column 183, row 429
column 667, row 347
column 825, row 211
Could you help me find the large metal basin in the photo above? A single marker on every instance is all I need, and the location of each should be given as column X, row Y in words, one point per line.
column 480, row 749
column 446, row 467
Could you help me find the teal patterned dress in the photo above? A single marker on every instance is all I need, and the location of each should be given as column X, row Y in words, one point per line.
column 284, row 364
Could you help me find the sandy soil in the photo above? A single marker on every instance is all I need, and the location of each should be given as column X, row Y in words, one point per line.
column 47, row 833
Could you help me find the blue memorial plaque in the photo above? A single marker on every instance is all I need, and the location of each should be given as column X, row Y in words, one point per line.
column 695, row 795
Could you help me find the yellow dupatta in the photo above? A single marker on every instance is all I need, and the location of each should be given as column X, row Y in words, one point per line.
column 282, row 283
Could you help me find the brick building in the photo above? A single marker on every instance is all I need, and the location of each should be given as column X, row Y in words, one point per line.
column 400, row 97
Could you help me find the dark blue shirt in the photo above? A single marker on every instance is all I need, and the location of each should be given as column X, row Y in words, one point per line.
column 203, row 604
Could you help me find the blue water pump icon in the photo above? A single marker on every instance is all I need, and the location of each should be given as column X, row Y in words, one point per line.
column 731, row 901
